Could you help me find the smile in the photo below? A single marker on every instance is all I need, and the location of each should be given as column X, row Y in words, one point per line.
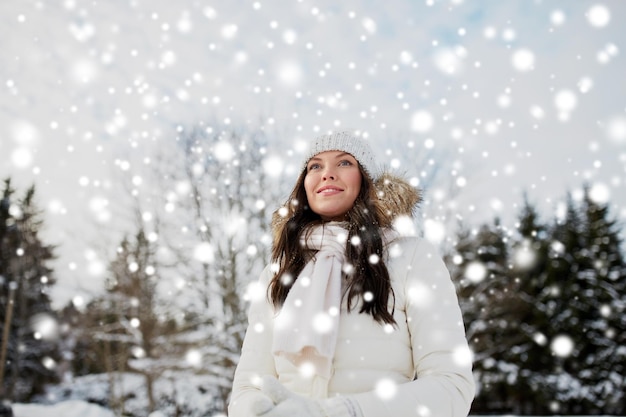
column 329, row 190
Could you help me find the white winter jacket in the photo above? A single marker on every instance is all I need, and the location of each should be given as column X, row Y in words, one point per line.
column 421, row 367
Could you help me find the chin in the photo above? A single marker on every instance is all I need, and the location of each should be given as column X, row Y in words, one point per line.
column 333, row 217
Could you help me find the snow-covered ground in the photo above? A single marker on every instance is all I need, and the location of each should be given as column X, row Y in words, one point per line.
column 73, row 408
column 85, row 396
column 76, row 398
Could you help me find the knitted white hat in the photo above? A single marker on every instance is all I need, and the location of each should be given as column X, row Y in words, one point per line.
column 345, row 141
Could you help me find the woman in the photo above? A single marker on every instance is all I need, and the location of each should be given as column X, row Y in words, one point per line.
column 356, row 319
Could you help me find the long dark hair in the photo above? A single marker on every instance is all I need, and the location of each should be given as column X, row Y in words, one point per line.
column 367, row 275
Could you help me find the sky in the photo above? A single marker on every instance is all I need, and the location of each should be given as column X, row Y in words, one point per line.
column 499, row 98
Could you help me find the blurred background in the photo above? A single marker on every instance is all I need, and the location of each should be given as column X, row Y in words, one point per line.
column 145, row 145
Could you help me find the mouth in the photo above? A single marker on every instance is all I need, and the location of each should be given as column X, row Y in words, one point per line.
column 327, row 190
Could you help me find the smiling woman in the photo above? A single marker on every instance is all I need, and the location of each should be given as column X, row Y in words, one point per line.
column 359, row 319
column 332, row 184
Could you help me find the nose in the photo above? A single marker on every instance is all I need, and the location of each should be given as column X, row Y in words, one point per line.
column 329, row 174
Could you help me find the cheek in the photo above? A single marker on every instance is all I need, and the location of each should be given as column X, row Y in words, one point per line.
column 355, row 181
column 355, row 186
column 309, row 184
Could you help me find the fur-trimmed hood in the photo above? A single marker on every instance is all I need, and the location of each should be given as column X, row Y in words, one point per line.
column 394, row 197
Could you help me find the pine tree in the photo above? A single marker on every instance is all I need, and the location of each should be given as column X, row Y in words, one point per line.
column 601, row 275
column 479, row 267
column 573, row 321
column 529, row 261
column 548, row 327
column 31, row 354
column 124, row 322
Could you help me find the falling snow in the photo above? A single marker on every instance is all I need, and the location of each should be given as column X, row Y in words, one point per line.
column 476, row 105
column 562, row 345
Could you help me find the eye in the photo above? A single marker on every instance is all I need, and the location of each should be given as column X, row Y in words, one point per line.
column 313, row 166
column 345, row 163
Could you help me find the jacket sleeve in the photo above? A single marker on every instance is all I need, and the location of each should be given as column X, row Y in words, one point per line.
column 256, row 356
column 444, row 384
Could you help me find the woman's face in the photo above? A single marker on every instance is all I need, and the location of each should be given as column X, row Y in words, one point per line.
column 332, row 184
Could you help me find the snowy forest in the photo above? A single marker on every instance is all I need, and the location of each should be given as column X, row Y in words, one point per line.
column 543, row 300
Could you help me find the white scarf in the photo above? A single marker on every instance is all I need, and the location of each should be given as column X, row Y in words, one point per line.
column 306, row 328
